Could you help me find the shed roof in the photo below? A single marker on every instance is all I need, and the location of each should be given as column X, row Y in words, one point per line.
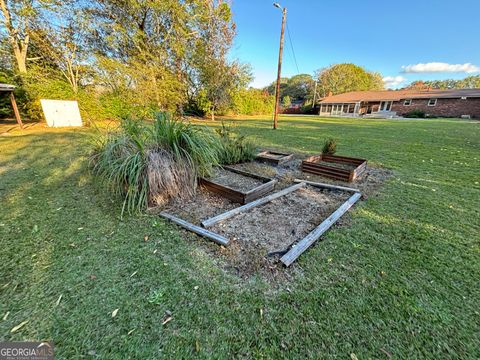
column 396, row 95
column 7, row 87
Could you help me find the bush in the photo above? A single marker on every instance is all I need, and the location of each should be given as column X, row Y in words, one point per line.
column 415, row 114
column 329, row 147
column 235, row 148
column 252, row 102
column 150, row 163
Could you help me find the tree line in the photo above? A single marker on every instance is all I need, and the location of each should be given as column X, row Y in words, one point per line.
column 332, row 80
column 122, row 56
column 470, row 82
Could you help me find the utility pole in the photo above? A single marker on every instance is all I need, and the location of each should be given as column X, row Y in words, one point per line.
column 279, row 73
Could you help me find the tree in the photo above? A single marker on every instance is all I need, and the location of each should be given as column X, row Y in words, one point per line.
column 298, row 87
column 343, row 78
column 19, row 18
column 470, row 82
column 61, row 46
column 252, row 102
column 166, row 47
column 286, row 101
column 221, row 81
column 417, row 85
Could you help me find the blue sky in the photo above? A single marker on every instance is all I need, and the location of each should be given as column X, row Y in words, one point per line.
column 380, row 35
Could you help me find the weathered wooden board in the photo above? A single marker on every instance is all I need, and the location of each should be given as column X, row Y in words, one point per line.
column 327, row 186
column 223, row 190
column 316, row 165
column 237, row 195
column 274, row 157
column 246, row 173
column 219, row 239
column 227, row 215
column 307, row 241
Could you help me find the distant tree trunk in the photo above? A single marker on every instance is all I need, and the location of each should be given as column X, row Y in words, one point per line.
column 20, row 46
column 212, row 112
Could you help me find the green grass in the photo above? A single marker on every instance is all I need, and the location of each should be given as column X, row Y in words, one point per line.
column 402, row 278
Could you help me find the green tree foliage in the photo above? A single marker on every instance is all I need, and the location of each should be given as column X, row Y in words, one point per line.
column 298, row 87
column 146, row 55
column 286, row 101
column 253, row 102
column 343, row 78
column 470, row 82
column 21, row 19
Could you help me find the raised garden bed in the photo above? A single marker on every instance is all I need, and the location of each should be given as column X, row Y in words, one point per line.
column 335, row 167
column 237, row 185
column 274, row 157
column 287, row 222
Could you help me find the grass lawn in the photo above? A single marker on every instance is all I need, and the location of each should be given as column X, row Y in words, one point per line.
column 403, row 279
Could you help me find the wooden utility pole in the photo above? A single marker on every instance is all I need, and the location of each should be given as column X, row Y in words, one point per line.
column 314, row 96
column 279, row 73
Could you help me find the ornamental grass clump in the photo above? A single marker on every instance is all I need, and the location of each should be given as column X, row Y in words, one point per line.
column 235, row 148
column 151, row 163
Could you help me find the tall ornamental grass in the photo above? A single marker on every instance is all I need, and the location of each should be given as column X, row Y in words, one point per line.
column 152, row 163
column 235, row 148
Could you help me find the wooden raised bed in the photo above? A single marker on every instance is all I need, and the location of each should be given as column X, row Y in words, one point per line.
column 240, row 196
column 274, row 157
column 316, row 165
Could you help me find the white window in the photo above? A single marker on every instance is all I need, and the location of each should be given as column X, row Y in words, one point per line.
column 407, row 102
column 432, row 102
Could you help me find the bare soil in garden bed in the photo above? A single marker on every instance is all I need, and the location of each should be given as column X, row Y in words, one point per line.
column 337, row 165
column 368, row 182
column 203, row 205
column 272, row 228
column 234, row 181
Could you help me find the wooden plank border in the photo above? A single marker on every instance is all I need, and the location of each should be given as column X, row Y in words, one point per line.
column 219, row 239
column 264, row 157
column 237, row 195
column 327, row 186
column 313, row 236
column 312, row 165
column 227, row 215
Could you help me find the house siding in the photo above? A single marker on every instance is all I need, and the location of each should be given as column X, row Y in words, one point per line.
column 444, row 107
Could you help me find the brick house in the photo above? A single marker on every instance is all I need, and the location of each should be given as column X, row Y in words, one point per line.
column 394, row 103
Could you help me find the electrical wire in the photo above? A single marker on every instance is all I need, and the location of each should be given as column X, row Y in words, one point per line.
column 293, row 51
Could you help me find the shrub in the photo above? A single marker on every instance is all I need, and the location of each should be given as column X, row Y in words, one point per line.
column 415, row 114
column 252, row 102
column 154, row 162
column 329, row 147
column 235, row 148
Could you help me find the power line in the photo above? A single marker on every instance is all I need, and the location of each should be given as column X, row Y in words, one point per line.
column 293, row 51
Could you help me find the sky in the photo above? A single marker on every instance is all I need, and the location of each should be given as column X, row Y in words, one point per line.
column 403, row 40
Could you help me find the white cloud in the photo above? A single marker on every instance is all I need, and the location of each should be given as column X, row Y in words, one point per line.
column 393, row 81
column 436, row 67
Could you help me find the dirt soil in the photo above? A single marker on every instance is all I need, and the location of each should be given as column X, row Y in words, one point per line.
column 204, row 205
column 368, row 183
column 337, row 165
column 234, row 181
column 272, row 228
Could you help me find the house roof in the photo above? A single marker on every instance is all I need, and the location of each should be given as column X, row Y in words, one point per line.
column 7, row 87
column 396, row 95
